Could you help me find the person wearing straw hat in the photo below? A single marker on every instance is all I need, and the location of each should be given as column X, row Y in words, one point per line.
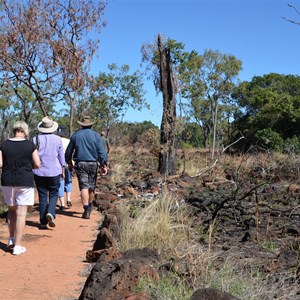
column 87, row 151
column 47, row 177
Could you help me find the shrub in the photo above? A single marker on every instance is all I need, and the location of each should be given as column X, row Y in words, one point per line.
column 270, row 139
column 292, row 145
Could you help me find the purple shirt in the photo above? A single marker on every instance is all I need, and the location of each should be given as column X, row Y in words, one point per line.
column 51, row 153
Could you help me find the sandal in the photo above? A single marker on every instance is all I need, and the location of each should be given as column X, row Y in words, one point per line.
column 69, row 203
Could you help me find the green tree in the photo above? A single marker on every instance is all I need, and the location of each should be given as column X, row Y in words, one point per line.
column 113, row 93
column 270, row 102
column 201, row 113
column 217, row 78
column 192, row 134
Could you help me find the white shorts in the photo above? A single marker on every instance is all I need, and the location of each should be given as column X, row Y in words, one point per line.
column 18, row 195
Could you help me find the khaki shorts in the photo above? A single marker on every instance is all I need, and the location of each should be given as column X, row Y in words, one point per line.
column 18, row 195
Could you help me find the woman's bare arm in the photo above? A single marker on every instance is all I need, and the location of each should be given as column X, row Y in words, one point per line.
column 36, row 159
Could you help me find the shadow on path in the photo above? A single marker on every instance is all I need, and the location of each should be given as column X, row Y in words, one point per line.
column 4, row 248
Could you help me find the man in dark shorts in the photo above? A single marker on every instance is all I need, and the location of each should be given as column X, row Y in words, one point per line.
column 87, row 151
column 105, row 141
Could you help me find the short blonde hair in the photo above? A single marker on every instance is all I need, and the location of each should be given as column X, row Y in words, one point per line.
column 21, row 126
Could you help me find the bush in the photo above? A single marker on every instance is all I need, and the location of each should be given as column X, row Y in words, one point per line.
column 192, row 135
column 292, row 145
column 270, row 139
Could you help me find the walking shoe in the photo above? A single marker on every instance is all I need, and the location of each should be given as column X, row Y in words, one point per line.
column 62, row 208
column 43, row 226
column 87, row 212
column 50, row 220
column 69, row 203
column 19, row 250
column 11, row 242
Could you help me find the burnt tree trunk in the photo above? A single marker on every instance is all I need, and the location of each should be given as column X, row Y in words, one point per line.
column 166, row 160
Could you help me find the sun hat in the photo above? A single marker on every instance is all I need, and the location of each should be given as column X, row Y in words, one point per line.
column 47, row 125
column 85, row 121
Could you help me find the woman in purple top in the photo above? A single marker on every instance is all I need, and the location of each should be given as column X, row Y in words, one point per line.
column 47, row 177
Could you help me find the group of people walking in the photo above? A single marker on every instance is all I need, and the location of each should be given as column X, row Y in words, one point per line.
column 46, row 163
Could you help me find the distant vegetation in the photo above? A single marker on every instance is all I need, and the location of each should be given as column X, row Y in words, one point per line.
column 46, row 72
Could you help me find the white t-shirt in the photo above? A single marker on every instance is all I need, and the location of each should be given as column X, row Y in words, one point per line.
column 65, row 143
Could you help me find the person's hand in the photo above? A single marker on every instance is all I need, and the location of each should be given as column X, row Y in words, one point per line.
column 70, row 166
column 103, row 170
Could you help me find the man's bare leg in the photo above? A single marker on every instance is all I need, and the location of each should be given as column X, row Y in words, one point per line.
column 87, row 197
column 91, row 196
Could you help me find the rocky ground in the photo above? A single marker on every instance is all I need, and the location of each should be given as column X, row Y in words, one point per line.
column 254, row 212
column 247, row 213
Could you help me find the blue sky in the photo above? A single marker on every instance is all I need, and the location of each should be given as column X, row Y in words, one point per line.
column 252, row 30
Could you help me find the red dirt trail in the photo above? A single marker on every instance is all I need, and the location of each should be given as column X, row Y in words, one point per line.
column 54, row 266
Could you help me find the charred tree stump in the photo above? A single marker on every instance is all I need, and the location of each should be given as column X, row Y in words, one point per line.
column 166, row 160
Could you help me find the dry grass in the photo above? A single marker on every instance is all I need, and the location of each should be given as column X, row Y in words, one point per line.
column 118, row 172
column 160, row 226
column 120, row 163
column 164, row 224
column 249, row 284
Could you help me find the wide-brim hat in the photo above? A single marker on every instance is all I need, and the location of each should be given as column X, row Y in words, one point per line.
column 85, row 121
column 47, row 125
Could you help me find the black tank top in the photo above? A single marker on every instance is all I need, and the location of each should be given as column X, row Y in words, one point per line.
column 17, row 163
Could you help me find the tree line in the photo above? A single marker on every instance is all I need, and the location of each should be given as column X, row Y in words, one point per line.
column 47, row 49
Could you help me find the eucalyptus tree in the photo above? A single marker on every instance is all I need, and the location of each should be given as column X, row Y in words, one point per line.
column 75, row 26
column 206, row 82
column 112, row 93
column 200, row 112
column 45, row 46
column 270, row 107
column 217, row 78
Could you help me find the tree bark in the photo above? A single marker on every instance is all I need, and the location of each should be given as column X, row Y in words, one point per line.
column 72, row 113
column 167, row 133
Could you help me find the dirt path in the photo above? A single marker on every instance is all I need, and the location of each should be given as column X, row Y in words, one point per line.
column 54, row 265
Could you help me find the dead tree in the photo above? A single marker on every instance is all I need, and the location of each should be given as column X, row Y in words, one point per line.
column 166, row 160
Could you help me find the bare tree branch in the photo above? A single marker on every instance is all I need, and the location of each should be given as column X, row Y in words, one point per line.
column 216, row 161
column 297, row 11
